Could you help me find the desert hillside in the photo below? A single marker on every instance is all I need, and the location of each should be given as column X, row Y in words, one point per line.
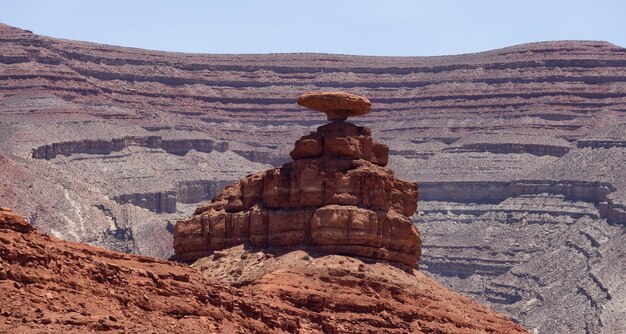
column 50, row 285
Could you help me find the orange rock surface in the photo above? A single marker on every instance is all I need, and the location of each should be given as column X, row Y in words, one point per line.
column 336, row 105
column 49, row 285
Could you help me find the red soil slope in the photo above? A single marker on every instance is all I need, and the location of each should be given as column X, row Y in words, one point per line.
column 52, row 285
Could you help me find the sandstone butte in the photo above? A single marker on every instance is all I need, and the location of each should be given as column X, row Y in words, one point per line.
column 335, row 196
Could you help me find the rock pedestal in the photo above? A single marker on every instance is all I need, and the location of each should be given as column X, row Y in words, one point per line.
column 336, row 196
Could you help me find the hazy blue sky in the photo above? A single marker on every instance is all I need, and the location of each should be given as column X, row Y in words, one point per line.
column 384, row 27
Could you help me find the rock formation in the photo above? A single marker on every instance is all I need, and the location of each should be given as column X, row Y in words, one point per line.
column 12, row 221
column 49, row 285
column 336, row 195
column 542, row 123
column 337, row 106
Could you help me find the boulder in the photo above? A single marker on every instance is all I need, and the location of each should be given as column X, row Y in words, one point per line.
column 336, row 105
column 12, row 221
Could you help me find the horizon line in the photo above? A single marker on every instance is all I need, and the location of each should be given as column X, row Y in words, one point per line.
column 317, row 52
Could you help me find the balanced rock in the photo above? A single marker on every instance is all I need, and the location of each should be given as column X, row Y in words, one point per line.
column 336, row 197
column 336, row 105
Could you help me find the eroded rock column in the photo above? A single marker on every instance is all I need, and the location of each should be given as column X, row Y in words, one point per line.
column 335, row 196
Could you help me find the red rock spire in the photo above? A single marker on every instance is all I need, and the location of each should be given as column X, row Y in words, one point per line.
column 336, row 197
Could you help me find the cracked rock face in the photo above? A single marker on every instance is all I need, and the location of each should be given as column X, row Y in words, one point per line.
column 336, row 195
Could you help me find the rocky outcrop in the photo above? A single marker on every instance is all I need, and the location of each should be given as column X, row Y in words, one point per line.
column 514, row 255
column 270, row 158
column 335, row 195
column 496, row 191
column 196, row 191
column 49, row 285
column 158, row 202
column 599, row 143
column 597, row 193
column 509, row 148
column 547, row 79
column 189, row 191
column 498, row 143
column 104, row 146
column 10, row 220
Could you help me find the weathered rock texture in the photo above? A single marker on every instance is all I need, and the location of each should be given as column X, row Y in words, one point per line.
column 49, row 285
column 548, row 117
column 335, row 195
column 10, row 220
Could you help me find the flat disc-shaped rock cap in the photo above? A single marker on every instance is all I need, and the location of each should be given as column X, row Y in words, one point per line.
column 336, row 105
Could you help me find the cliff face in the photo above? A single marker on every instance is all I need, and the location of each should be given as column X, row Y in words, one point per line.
column 59, row 286
column 516, row 150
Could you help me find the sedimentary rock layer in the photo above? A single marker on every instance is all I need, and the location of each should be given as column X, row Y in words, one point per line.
column 546, row 113
column 515, row 79
column 104, row 147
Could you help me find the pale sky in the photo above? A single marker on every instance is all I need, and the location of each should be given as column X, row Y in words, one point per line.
column 364, row 27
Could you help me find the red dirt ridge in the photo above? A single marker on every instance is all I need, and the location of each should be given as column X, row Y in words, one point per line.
column 49, row 285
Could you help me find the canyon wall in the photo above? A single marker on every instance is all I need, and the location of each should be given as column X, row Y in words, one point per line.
column 102, row 146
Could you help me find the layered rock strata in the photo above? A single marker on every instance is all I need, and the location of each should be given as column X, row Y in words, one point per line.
column 336, row 195
column 104, row 146
column 528, row 103
column 337, row 106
